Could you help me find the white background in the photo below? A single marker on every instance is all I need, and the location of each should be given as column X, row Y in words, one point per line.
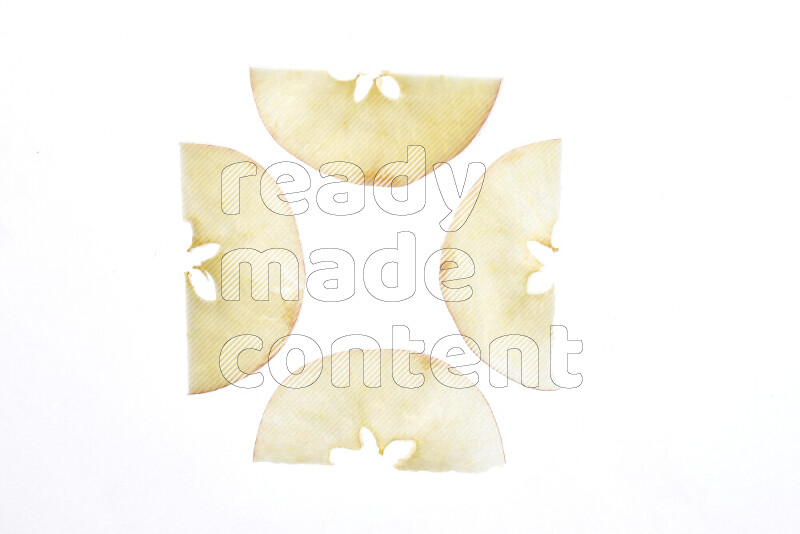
column 680, row 170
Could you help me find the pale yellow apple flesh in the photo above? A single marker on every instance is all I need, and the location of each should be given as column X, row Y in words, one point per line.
column 518, row 202
column 316, row 119
column 213, row 323
column 450, row 423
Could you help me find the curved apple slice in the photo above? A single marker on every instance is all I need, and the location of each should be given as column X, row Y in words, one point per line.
column 449, row 421
column 316, row 118
column 518, row 203
column 217, row 180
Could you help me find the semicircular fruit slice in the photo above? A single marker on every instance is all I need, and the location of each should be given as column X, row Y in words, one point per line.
column 319, row 409
column 222, row 199
column 517, row 203
column 316, row 118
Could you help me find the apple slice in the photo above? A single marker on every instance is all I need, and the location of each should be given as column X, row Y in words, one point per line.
column 216, row 180
column 317, row 119
column 518, row 203
column 446, row 416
